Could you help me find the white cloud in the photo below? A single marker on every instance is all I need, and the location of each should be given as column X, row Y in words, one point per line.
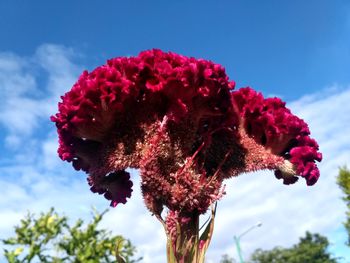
column 31, row 86
column 33, row 178
column 14, row 76
column 49, row 148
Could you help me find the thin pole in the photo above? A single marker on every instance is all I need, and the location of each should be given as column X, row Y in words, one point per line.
column 238, row 249
column 237, row 240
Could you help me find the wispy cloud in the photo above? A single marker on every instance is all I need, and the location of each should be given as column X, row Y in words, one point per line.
column 30, row 89
column 33, row 178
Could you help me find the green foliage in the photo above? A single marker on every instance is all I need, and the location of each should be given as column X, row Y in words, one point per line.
column 49, row 238
column 311, row 249
column 343, row 181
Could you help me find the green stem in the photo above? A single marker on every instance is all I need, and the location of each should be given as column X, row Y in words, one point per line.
column 185, row 248
column 189, row 246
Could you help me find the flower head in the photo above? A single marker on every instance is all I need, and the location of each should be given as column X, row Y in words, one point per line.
column 281, row 134
column 178, row 120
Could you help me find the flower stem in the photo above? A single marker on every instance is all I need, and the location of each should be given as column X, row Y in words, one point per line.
column 185, row 244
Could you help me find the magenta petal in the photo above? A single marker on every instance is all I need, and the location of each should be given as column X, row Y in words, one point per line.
column 116, row 186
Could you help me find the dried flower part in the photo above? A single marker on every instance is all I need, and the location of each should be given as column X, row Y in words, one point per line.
column 177, row 120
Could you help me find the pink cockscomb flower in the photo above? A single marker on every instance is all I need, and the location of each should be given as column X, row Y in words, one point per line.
column 278, row 133
column 179, row 121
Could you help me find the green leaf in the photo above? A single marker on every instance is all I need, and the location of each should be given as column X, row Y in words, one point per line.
column 50, row 234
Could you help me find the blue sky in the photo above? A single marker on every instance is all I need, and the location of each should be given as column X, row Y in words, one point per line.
column 271, row 45
column 299, row 50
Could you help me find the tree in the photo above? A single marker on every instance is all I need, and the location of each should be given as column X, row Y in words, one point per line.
column 343, row 181
column 49, row 238
column 311, row 249
column 227, row 259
